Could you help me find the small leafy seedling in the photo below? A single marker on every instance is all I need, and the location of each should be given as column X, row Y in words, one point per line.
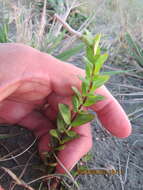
column 68, row 119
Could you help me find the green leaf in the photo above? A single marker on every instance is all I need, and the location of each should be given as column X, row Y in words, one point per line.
column 85, row 86
column 71, row 133
column 96, row 43
column 61, row 125
column 138, row 58
column 65, row 113
column 88, row 71
column 90, row 54
column 74, row 173
column 132, row 44
column 93, row 99
column 76, row 103
column 135, row 49
column 77, row 92
column 99, row 81
column 99, row 63
column 82, row 168
column 110, row 73
column 98, row 52
column 88, row 38
column 89, row 68
column 82, row 118
column 87, row 157
column 87, row 61
column 54, row 133
column 68, row 138
column 4, row 29
column 62, row 147
column 64, row 56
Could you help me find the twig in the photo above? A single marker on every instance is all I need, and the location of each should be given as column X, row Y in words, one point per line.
column 57, row 26
column 23, row 171
column 68, row 27
column 16, row 179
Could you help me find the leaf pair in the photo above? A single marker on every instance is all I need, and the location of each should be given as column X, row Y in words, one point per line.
column 99, row 81
column 63, row 118
column 82, row 118
column 70, row 136
column 90, row 87
column 92, row 99
column 65, row 113
column 97, row 63
column 76, row 99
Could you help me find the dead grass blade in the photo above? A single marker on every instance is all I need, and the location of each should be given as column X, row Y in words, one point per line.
column 25, row 168
column 128, row 160
column 7, row 136
column 126, row 86
column 16, row 179
column 42, row 24
column 13, row 157
column 67, row 172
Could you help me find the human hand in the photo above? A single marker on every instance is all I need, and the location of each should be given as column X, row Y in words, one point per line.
column 32, row 84
column 1, row 188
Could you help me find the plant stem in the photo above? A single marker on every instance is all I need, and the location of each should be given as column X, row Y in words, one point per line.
column 83, row 97
column 83, row 101
column 67, row 26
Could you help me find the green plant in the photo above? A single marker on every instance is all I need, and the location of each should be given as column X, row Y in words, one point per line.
column 134, row 49
column 4, row 33
column 68, row 119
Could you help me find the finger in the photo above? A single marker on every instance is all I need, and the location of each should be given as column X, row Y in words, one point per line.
column 40, row 126
column 62, row 83
column 75, row 149
column 112, row 115
column 54, row 100
column 1, row 188
column 12, row 112
column 109, row 111
column 51, row 113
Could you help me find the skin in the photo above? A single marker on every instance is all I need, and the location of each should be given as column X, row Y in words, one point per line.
column 32, row 84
